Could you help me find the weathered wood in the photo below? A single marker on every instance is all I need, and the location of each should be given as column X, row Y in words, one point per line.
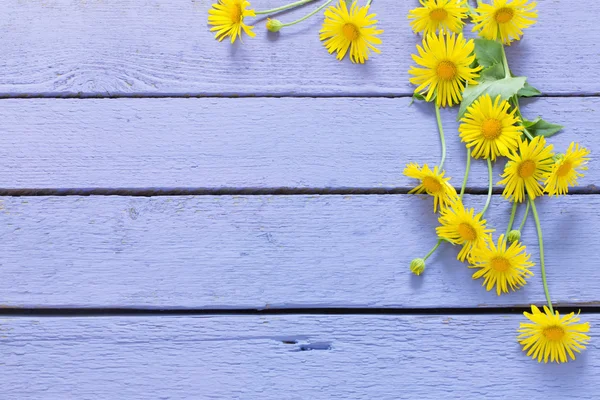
column 116, row 47
column 247, row 143
column 269, row 251
column 251, row 357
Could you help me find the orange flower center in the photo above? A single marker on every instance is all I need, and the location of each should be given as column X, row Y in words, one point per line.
column 554, row 333
column 235, row 12
column 491, row 129
column 351, row 31
column 446, row 70
column 564, row 169
column 467, row 232
column 526, row 168
column 432, row 185
column 439, row 14
column 500, row 264
column 504, row 15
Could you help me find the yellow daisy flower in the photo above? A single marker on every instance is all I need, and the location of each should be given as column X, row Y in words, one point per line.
column 566, row 170
column 504, row 18
column 433, row 183
column 489, row 128
column 439, row 15
column 445, row 62
column 463, row 227
column 550, row 337
column 352, row 30
column 525, row 169
column 227, row 16
column 501, row 266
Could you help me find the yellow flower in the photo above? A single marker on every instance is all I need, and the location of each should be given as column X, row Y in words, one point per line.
column 506, row 18
column 352, row 29
column 566, row 170
column 501, row 266
column 438, row 15
column 551, row 337
column 433, row 183
column 227, row 16
column 463, row 227
column 445, row 62
column 489, row 128
column 526, row 169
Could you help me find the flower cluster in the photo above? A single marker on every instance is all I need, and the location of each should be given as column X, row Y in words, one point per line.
column 451, row 70
column 346, row 30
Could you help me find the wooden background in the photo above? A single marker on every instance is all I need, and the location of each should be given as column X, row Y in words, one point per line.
column 182, row 218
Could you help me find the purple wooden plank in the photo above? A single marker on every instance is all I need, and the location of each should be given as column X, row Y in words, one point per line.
column 113, row 47
column 269, row 251
column 254, row 357
column 268, row 143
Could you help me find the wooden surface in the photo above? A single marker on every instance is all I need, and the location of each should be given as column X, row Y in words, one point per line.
column 163, row 47
column 283, row 357
column 275, row 143
column 277, row 188
column 269, row 252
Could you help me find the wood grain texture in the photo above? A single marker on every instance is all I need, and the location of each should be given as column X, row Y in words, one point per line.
column 270, row 252
column 164, row 47
column 247, row 143
column 247, row 357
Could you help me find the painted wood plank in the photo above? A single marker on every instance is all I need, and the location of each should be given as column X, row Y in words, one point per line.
column 131, row 47
column 247, row 143
column 250, row 357
column 269, row 252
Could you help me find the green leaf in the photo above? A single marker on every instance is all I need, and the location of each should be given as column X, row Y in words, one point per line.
column 506, row 88
column 528, row 91
column 488, row 52
column 493, row 73
column 540, row 127
column 418, row 97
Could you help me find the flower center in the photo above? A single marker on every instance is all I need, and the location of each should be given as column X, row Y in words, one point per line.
column 351, row 31
column 564, row 169
column 432, row 185
column 504, row 15
column 554, row 333
column 526, row 169
column 500, row 264
column 446, row 70
column 491, row 129
column 439, row 14
column 235, row 12
column 467, row 232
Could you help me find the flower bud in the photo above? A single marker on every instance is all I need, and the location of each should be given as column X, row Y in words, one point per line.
column 514, row 236
column 417, row 266
column 274, row 25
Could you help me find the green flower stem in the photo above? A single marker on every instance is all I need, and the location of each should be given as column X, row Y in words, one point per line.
column 369, row 2
column 283, row 8
column 489, row 196
column 433, row 250
column 525, row 217
column 541, row 243
column 307, row 16
column 467, row 170
column 512, row 217
column 505, row 63
column 442, row 139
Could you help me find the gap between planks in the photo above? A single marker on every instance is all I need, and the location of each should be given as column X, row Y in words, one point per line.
column 126, row 311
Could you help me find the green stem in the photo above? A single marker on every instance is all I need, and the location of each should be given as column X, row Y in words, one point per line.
column 525, row 217
column 307, row 16
column 489, row 196
column 512, row 217
column 433, row 250
column 442, row 139
column 541, row 243
column 369, row 3
column 505, row 63
column 283, row 8
column 466, row 178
